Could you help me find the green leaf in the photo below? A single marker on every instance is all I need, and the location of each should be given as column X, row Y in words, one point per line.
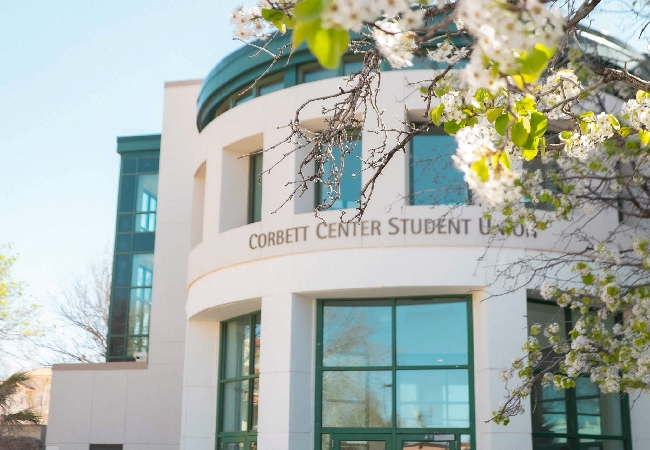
column 504, row 159
column 436, row 114
column 538, row 124
column 305, row 30
column 542, row 145
column 501, row 123
column 308, row 10
column 529, row 155
column 493, row 114
column 624, row 131
column 278, row 19
column 588, row 279
column 519, row 131
column 452, row 127
column 271, row 15
column 481, row 169
column 587, row 114
column 641, row 95
column 565, row 135
column 328, row 45
column 614, row 121
column 644, row 137
column 526, row 105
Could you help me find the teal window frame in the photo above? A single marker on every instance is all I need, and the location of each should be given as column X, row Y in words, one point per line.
column 128, row 243
column 415, row 195
column 255, row 169
column 246, row 437
column 572, row 436
column 393, row 434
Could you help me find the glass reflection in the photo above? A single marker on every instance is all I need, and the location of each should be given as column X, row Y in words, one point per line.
column 432, row 398
column 235, row 411
column 418, row 445
column 350, row 182
column 434, row 179
column 598, row 444
column 142, row 270
column 146, row 201
column 255, row 403
column 362, row 445
column 258, row 335
column 237, row 351
column 357, row 334
column 597, row 413
column 549, row 410
column 357, row 399
column 139, row 309
column 430, row 334
column 551, row 443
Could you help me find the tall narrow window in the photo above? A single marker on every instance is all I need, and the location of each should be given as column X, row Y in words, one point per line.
column 239, row 383
column 433, row 178
column 350, row 183
column 255, row 188
column 579, row 418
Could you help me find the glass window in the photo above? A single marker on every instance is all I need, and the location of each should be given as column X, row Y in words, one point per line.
column 434, row 179
column 350, row 67
column 270, row 87
column 318, row 73
column 378, row 367
column 239, row 380
column 244, row 97
column 573, row 419
column 142, row 270
column 350, row 183
column 146, row 203
column 255, row 188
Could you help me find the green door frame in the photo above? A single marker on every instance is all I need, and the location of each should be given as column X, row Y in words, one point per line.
column 382, row 437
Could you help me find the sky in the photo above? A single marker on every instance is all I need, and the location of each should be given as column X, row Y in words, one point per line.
column 75, row 74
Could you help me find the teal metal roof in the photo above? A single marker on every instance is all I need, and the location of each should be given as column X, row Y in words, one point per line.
column 139, row 143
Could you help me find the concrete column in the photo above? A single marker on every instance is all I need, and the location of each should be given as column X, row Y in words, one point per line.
column 286, row 409
column 499, row 332
column 639, row 413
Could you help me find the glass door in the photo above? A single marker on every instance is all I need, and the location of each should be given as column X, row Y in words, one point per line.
column 430, row 442
column 362, row 442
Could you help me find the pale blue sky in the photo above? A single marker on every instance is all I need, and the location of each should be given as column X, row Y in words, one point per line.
column 75, row 75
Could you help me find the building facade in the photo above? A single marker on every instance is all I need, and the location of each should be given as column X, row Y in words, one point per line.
column 250, row 324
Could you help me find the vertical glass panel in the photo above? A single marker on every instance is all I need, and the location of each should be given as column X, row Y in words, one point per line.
column 270, row 87
column 142, row 271
column 255, row 403
column 122, row 270
column 148, row 164
column 362, row 445
column 545, row 314
column 432, row 398
column 127, row 191
column 318, row 74
column 144, row 242
column 136, row 344
column 123, row 243
column 465, row 442
column 419, row 445
column 244, row 97
column 597, row 413
column 551, row 443
column 357, row 333
column 145, row 222
column 232, row 445
column 253, row 445
column 434, row 179
column 255, row 188
column 350, row 184
column 117, row 347
column 128, row 165
column 237, row 348
column 146, row 201
column 325, row 440
column 357, row 399
column 549, row 413
column 139, row 310
column 125, row 222
column 234, row 414
column 258, row 334
column 431, row 333
column 598, row 444
column 350, row 67
column 118, row 311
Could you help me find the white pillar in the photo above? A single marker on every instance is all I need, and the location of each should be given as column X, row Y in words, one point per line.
column 499, row 332
column 286, row 408
column 639, row 413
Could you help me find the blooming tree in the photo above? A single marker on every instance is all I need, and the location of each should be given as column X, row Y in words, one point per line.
column 547, row 132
